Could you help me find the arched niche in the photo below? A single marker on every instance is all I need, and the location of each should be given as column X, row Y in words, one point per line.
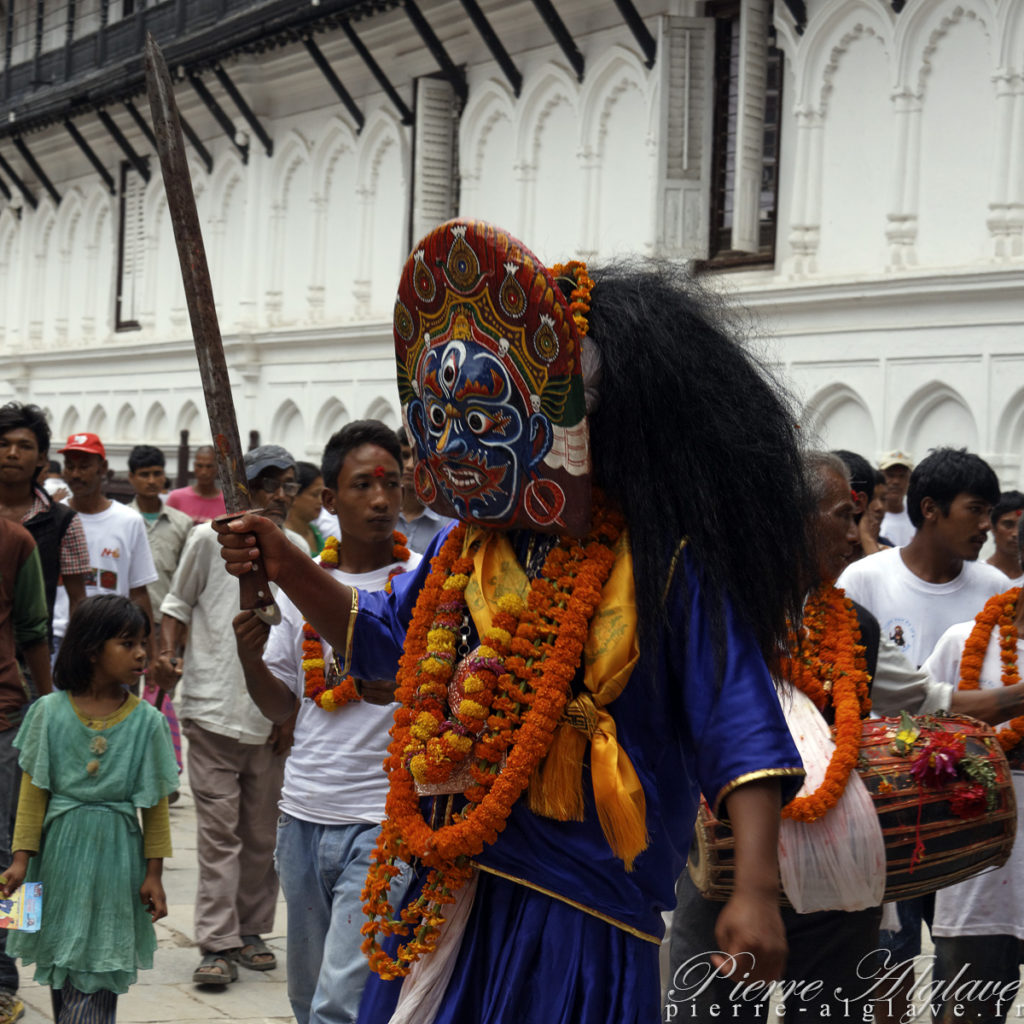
column 838, row 417
column 936, row 415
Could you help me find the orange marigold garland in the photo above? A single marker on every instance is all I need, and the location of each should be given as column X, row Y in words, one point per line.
column 532, row 649
column 830, row 666
column 314, row 666
column 579, row 299
column 1000, row 611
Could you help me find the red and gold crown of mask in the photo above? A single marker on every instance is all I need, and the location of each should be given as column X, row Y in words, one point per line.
column 489, row 375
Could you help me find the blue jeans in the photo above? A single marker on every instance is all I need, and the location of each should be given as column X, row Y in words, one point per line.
column 322, row 870
column 10, row 783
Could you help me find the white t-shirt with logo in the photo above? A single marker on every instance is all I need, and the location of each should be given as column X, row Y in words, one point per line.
column 334, row 774
column 913, row 614
column 991, row 903
column 119, row 557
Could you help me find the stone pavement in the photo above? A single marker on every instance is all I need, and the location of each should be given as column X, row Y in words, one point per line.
column 166, row 993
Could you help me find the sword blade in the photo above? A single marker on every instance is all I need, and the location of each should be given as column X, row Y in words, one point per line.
column 195, row 274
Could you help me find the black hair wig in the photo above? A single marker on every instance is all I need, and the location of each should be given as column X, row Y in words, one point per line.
column 355, row 435
column 96, row 620
column 943, row 474
column 694, row 439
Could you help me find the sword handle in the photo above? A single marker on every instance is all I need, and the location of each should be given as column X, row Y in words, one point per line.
column 254, row 589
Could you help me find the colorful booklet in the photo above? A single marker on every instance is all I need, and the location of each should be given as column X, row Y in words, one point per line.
column 24, row 910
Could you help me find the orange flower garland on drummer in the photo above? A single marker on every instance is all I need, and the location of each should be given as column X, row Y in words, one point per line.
column 556, row 719
column 333, row 797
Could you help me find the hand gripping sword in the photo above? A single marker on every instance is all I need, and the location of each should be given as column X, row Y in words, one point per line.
column 195, row 274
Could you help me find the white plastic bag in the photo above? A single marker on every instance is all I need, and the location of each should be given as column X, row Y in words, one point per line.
column 838, row 861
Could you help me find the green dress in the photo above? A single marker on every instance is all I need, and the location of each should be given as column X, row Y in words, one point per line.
column 95, row 932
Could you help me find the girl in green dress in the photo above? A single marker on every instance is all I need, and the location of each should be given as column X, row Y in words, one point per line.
column 93, row 755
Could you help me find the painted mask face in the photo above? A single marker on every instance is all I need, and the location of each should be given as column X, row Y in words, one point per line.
column 479, row 438
column 491, row 386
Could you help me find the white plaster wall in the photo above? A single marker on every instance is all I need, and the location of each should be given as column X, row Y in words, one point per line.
column 893, row 305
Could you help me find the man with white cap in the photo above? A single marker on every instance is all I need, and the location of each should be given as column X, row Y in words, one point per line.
column 896, row 525
column 235, row 755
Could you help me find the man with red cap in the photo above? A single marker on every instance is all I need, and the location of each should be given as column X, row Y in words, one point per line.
column 120, row 561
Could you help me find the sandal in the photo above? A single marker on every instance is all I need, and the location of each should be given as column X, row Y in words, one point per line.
column 252, row 947
column 216, row 969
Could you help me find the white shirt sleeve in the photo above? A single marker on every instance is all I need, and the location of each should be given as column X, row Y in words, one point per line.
column 283, row 653
column 898, row 686
column 944, row 661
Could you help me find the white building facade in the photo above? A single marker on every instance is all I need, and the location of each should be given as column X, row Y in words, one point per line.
column 849, row 170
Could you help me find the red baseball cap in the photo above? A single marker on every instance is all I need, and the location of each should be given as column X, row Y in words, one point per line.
column 89, row 443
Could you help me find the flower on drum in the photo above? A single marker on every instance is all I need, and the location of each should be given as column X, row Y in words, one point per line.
column 906, row 735
column 98, row 745
column 968, row 800
column 937, row 763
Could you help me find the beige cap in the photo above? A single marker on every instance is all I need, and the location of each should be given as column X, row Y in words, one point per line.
column 896, row 458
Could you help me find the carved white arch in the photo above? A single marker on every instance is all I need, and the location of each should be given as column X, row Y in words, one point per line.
column 188, row 419
column 339, row 138
column 45, row 226
column 294, row 152
column 72, row 209
column 1009, row 436
column 490, row 102
column 617, row 70
column 820, row 407
column 227, row 176
column 98, row 420
column 68, row 425
column 125, row 424
column 1011, row 51
column 157, row 425
column 381, row 409
column 921, row 27
column 830, row 37
column 284, row 418
column 917, row 407
column 332, row 417
column 381, row 131
column 553, row 86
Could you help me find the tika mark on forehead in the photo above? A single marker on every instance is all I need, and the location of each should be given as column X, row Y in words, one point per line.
column 380, row 471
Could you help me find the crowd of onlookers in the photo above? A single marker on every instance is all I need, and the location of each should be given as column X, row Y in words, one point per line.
column 62, row 539
column 243, row 695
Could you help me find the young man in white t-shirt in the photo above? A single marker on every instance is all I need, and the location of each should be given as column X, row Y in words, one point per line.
column 120, row 561
column 918, row 591
column 332, row 801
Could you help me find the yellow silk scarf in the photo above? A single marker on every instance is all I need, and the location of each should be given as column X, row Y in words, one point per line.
column 609, row 655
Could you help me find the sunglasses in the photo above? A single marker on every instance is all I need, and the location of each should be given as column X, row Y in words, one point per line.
column 271, row 485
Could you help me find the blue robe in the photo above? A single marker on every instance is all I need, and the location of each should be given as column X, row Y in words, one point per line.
column 528, row 957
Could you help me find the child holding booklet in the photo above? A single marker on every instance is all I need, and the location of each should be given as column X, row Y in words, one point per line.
column 91, row 754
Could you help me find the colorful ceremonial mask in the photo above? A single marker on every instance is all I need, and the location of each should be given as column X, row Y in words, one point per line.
column 490, row 380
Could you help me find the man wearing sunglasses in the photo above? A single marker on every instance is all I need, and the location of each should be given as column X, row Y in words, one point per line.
column 235, row 755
